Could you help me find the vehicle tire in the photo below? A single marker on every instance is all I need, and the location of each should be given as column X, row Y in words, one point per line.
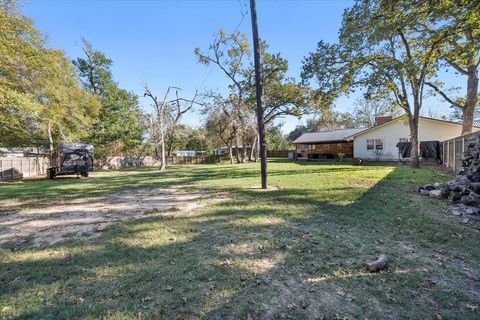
column 85, row 174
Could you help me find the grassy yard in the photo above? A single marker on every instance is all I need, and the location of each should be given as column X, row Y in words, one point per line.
column 296, row 251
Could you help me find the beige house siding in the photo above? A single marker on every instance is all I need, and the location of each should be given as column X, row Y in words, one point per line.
column 392, row 132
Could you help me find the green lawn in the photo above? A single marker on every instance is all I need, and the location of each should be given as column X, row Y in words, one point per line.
column 296, row 251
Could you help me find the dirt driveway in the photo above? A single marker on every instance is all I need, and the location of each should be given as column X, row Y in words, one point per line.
column 49, row 223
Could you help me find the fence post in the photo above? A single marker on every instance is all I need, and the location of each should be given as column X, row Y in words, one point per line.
column 454, row 154
column 1, row 169
column 463, row 145
column 448, row 153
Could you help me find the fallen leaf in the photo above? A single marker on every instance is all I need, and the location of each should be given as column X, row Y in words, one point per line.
column 225, row 263
column 291, row 306
column 340, row 292
column 428, row 284
column 78, row 300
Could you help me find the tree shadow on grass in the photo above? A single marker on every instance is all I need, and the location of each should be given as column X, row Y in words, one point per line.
column 35, row 192
column 288, row 253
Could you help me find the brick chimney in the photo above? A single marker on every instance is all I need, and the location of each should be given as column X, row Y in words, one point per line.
column 382, row 119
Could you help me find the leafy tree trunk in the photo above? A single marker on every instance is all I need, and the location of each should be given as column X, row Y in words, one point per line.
column 252, row 150
column 237, row 153
column 244, row 148
column 257, row 149
column 230, row 153
column 413, row 124
column 472, row 99
column 50, row 138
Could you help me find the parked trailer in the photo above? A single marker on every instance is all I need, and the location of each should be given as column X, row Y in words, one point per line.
column 71, row 158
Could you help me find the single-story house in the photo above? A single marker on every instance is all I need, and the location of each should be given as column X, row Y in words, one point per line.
column 382, row 141
column 325, row 144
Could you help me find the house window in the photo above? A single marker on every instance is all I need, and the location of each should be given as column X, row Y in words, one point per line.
column 374, row 144
column 370, row 144
column 309, row 146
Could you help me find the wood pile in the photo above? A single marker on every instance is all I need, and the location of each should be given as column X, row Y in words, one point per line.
column 464, row 189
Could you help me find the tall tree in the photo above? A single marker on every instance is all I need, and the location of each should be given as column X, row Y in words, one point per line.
column 120, row 127
column 283, row 96
column 366, row 110
column 459, row 20
column 379, row 49
column 41, row 101
column 276, row 140
column 230, row 53
column 222, row 122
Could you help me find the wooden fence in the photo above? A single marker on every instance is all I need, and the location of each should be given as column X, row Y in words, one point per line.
column 197, row 159
column 278, row 153
column 12, row 168
column 453, row 150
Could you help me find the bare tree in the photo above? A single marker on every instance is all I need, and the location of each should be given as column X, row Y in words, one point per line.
column 168, row 113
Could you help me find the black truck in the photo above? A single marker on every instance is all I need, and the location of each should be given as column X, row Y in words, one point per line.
column 71, row 158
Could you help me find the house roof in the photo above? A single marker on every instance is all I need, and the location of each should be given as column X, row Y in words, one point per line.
column 398, row 118
column 326, row 136
column 349, row 134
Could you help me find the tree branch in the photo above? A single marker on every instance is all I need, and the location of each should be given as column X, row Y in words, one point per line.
column 443, row 94
column 456, row 66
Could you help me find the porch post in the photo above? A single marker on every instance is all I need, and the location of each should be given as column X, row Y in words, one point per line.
column 448, row 153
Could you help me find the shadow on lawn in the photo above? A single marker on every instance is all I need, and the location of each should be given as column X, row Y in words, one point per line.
column 34, row 192
column 274, row 254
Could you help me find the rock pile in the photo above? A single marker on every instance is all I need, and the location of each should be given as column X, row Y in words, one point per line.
column 465, row 187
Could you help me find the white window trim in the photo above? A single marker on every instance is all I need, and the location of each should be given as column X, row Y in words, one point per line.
column 373, row 149
column 383, row 144
column 375, row 144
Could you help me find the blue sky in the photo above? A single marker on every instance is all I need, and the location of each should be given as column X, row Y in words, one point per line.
column 153, row 41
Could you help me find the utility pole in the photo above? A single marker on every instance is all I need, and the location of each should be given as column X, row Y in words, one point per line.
column 259, row 92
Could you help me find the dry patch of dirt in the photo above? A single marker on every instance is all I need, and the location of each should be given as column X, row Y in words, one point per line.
column 48, row 224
